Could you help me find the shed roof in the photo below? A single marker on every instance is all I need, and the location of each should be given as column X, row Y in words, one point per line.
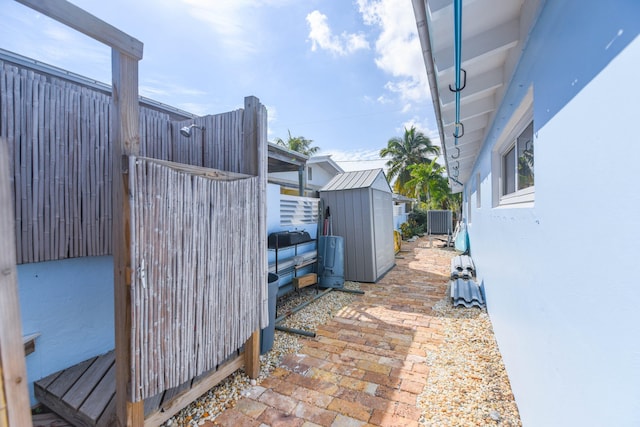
column 358, row 179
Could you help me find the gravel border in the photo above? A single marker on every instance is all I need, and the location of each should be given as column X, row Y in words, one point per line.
column 467, row 383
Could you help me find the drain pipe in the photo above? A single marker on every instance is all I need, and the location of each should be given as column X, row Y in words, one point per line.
column 303, row 305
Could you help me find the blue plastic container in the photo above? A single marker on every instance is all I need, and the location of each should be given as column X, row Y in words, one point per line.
column 331, row 262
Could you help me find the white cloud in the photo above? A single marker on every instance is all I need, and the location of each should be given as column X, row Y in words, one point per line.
column 236, row 22
column 421, row 126
column 398, row 50
column 322, row 37
column 272, row 117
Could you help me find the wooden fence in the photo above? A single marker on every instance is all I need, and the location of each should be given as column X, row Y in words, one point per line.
column 58, row 134
column 196, row 286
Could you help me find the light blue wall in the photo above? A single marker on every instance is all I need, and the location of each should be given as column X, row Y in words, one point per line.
column 70, row 303
column 559, row 278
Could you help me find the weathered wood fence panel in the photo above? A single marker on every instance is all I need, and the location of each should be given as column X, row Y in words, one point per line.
column 196, row 287
column 58, row 135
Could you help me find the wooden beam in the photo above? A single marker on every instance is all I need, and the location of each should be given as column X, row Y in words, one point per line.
column 13, row 372
column 78, row 19
column 169, row 409
column 126, row 142
column 252, row 355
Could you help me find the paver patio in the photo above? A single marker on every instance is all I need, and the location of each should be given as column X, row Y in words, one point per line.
column 367, row 366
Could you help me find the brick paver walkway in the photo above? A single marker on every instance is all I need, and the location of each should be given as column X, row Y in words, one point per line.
column 367, row 366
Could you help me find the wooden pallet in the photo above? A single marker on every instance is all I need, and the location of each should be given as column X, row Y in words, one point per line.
column 84, row 394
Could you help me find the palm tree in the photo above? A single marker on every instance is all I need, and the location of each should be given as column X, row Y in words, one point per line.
column 414, row 148
column 299, row 144
column 425, row 180
column 430, row 186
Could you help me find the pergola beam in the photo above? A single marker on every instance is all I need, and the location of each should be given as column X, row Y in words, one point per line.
column 78, row 19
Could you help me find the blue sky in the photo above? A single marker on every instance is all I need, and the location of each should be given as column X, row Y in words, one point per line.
column 347, row 74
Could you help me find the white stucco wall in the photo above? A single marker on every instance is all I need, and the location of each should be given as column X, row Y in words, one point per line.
column 559, row 278
column 70, row 303
column 319, row 176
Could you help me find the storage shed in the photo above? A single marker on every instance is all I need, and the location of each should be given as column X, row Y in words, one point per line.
column 361, row 208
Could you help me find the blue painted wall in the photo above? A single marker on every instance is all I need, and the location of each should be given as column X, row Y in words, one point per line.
column 70, row 303
column 558, row 274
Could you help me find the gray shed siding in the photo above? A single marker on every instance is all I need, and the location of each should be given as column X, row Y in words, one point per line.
column 383, row 231
column 364, row 218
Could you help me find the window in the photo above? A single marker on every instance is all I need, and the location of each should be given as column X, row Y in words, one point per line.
column 512, row 164
column 518, row 163
column 309, row 173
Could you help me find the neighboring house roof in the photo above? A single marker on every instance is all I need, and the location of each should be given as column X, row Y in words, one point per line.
column 402, row 199
column 282, row 159
column 326, row 163
column 492, row 40
column 358, row 179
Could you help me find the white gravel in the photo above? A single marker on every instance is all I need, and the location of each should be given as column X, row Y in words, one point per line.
column 467, row 383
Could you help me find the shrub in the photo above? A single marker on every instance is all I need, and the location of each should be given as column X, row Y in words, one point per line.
column 416, row 224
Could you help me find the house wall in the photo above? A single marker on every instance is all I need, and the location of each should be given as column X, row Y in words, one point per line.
column 70, row 303
column 400, row 215
column 558, row 273
column 319, row 176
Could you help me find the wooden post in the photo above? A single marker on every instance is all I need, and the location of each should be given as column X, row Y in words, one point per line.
column 126, row 142
column 14, row 397
column 255, row 163
column 252, row 355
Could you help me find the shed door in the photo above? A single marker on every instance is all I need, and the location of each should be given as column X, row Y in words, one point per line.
column 383, row 231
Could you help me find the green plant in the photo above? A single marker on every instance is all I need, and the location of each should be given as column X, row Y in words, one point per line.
column 416, row 223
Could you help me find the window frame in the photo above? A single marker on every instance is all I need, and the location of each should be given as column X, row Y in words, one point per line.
column 522, row 117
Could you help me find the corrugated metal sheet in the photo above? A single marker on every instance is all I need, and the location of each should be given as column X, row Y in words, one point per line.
column 467, row 293
column 354, row 180
column 462, row 267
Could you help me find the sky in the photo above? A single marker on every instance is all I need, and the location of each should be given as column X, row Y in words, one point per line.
column 347, row 74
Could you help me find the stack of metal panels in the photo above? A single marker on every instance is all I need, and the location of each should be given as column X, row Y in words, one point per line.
column 465, row 291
